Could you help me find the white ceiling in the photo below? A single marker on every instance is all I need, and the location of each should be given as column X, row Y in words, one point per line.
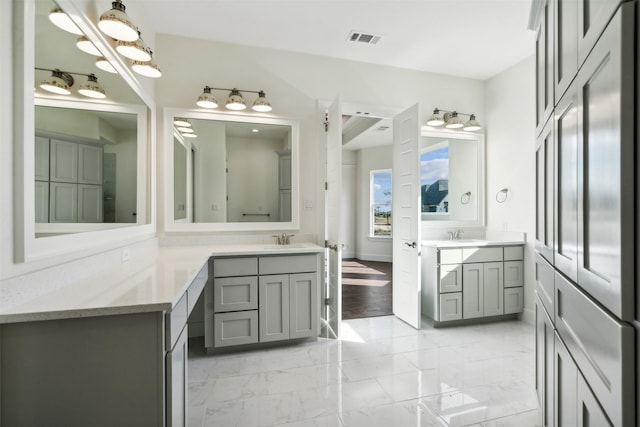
column 467, row 38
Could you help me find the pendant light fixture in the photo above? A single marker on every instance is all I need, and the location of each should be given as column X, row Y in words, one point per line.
column 181, row 122
column 58, row 83
column 207, row 100
column 87, row 46
column 235, row 101
column 105, row 65
column 60, row 19
column 451, row 120
column 91, row 88
column 61, row 81
column 147, row 69
column 116, row 24
column 136, row 50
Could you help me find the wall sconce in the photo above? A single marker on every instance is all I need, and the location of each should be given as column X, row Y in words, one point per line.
column 60, row 82
column 451, row 120
column 235, row 101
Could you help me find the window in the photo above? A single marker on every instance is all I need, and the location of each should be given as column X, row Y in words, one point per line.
column 380, row 197
column 434, row 179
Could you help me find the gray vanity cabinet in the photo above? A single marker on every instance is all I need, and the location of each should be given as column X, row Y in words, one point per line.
column 262, row 298
column 545, row 353
column 176, row 366
column 482, row 290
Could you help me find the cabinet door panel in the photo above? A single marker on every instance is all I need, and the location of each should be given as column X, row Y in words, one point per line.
column 593, row 16
column 544, row 364
column 493, row 289
column 565, row 255
column 235, row 328
column 177, row 383
column 42, row 201
column 544, row 66
column 472, row 291
column 566, row 44
column 235, row 293
column 545, row 287
column 274, row 307
column 606, row 215
column 89, row 164
column 303, row 305
column 544, row 192
column 90, row 203
column 590, row 413
column 42, row 158
column 63, row 202
column 565, row 387
column 450, row 278
column 64, row 161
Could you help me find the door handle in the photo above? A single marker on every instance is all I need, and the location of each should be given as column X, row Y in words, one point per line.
column 411, row 245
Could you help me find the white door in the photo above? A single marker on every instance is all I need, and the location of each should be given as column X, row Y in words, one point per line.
column 333, row 194
column 406, row 216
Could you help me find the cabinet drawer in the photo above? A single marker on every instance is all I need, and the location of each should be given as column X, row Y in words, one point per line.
column 228, row 267
column 602, row 347
column 513, row 253
column 235, row 328
column 545, row 284
column 513, row 274
column 196, row 287
column 450, row 278
column 513, row 300
column 175, row 320
column 288, row 264
column 481, row 255
column 235, row 293
column 449, row 256
column 450, row 306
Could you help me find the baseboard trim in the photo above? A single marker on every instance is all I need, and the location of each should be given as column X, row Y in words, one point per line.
column 374, row 257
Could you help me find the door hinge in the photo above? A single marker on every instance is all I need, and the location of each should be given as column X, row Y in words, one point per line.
column 326, row 121
column 326, row 185
column 327, row 301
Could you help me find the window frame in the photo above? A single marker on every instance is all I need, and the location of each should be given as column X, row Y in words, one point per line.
column 372, row 204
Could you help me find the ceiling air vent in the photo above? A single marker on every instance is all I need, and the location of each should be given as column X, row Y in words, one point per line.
column 358, row 36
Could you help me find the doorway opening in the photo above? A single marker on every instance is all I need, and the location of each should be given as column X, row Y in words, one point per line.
column 366, row 288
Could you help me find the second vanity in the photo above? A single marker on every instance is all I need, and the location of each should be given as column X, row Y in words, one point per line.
column 468, row 280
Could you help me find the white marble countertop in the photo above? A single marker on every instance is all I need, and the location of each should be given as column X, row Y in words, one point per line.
column 470, row 243
column 156, row 286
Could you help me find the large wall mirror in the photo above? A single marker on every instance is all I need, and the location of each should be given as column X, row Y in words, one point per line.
column 452, row 179
column 79, row 155
column 229, row 172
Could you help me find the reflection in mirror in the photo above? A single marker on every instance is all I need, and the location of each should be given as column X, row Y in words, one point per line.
column 85, row 162
column 450, row 179
column 87, row 152
column 232, row 172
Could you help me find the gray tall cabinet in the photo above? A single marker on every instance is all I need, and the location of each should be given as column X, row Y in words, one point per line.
column 587, row 307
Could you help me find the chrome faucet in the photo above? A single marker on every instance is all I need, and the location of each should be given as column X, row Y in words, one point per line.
column 456, row 235
column 283, row 239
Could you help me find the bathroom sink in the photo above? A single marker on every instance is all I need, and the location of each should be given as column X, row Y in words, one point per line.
column 289, row 246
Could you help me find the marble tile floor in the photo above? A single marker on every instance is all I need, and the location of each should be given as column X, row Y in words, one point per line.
column 381, row 372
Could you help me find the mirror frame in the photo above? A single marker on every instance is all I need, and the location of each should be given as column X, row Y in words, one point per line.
column 468, row 136
column 27, row 247
column 170, row 225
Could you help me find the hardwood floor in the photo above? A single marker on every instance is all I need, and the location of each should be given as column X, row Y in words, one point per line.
column 366, row 288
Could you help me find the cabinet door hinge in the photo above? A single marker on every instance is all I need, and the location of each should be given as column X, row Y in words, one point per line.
column 326, row 185
column 326, row 121
column 327, row 301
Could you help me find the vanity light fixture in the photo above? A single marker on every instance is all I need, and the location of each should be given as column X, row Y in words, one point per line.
column 183, row 129
column 105, row 65
column 147, row 69
column 136, row 50
column 180, row 122
column 116, row 24
column 91, row 88
column 235, row 101
column 60, row 19
column 189, row 135
column 451, row 120
column 85, row 45
column 60, row 82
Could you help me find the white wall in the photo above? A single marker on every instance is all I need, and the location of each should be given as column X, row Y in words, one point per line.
column 371, row 248
column 210, row 177
column 510, row 124
column 179, row 181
